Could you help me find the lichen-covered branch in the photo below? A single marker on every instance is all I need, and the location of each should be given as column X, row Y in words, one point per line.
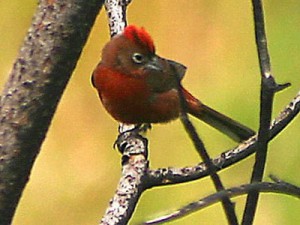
column 116, row 13
column 131, row 184
column 40, row 73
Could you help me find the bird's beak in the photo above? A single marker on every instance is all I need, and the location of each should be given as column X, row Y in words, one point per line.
column 156, row 64
column 161, row 65
column 177, row 68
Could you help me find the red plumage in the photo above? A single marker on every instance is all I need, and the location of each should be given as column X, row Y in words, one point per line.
column 139, row 36
column 137, row 86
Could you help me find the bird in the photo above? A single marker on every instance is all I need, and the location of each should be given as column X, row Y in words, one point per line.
column 137, row 86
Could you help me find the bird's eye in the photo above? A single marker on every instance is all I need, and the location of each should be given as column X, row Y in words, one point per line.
column 138, row 58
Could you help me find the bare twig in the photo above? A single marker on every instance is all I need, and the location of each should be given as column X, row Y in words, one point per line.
column 41, row 71
column 228, row 206
column 267, row 187
column 268, row 89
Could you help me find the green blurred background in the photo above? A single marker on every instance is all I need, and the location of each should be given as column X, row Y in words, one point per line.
column 77, row 170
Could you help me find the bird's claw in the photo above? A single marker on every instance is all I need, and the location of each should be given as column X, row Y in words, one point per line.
column 127, row 130
column 137, row 128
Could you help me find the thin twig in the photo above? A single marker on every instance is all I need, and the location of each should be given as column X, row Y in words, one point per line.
column 268, row 89
column 228, row 206
column 267, row 187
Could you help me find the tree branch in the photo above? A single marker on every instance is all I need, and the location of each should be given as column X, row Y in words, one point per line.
column 131, row 186
column 268, row 89
column 40, row 73
column 116, row 13
column 267, row 187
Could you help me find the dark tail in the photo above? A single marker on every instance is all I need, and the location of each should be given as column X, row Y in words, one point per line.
column 233, row 129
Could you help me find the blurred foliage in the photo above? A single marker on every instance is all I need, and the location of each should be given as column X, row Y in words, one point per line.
column 77, row 170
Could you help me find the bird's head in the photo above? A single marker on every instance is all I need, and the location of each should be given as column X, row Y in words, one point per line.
column 133, row 53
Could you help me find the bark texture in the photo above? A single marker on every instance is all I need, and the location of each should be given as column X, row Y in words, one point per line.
column 44, row 65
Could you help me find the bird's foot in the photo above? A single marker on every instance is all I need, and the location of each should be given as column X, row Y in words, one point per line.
column 137, row 128
column 126, row 130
